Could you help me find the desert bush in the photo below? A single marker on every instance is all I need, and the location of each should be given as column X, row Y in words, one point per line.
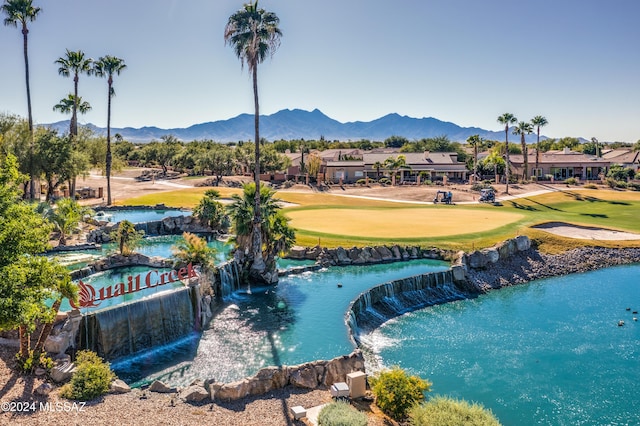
column 385, row 181
column 396, row 392
column 591, row 186
column 91, row 379
column 361, row 182
column 29, row 364
column 571, row 181
column 634, row 186
column 444, row 411
column 481, row 185
column 340, row 413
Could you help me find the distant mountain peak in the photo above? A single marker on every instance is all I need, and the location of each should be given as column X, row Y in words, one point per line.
column 298, row 123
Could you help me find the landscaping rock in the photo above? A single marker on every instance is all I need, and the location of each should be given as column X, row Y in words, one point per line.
column 194, row 393
column 62, row 372
column 119, row 386
column 160, row 387
column 44, row 389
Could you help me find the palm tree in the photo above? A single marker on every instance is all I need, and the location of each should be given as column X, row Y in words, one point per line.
column 538, row 121
column 74, row 63
column 475, row 141
column 254, row 34
column 393, row 164
column 507, row 119
column 22, row 11
column 66, row 216
column 107, row 66
column 524, row 128
column 378, row 165
column 71, row 104
column 276, row 233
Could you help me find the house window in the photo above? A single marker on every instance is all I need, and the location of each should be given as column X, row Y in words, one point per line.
column 359, row 173
column 537, row 173
column 340, row 174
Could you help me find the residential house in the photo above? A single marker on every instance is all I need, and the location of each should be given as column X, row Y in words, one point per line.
column 560, row 165
column 625, row 157
column 435, row 165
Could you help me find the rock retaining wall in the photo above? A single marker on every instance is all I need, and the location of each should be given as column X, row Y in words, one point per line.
column 175, row 225
column 365, row 255
column 310, row 375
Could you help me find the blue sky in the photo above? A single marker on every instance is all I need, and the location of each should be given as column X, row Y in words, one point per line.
column 576, row 62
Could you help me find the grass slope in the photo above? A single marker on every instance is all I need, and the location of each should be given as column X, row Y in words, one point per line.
column 333, row 220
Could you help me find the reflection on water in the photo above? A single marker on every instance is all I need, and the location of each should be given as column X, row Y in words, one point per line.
column 550, row 352
column 301, row 319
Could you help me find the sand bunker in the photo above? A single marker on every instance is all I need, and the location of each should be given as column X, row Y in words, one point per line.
column 586, row 232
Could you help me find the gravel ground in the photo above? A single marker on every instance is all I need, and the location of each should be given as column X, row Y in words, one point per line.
column 142, row 408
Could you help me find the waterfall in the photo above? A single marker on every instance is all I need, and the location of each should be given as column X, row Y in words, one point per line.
column 385, row 301
column 229, row 273
column 133, row 327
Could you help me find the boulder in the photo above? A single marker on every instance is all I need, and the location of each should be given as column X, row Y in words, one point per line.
column 342, row 256
column 304, row 376
column 297, row 252
column 523, row 243
column 492, row 255
column 160, row 387
column 194, row 393
column 44, row 389
column 119, row 386
column 385, row 254
column 268, row 379
column 62, row 372
column 232, row 391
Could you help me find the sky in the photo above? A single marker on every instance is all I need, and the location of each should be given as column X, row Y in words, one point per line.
column 575, row 62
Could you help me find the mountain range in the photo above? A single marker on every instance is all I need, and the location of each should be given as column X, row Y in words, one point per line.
column 296, row 124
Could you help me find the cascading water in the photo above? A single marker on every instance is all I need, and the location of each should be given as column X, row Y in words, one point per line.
column 388, row 300
column 229, row 278
column 133, row 327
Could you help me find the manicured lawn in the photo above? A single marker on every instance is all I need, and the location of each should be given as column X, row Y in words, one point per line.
column 332, row 220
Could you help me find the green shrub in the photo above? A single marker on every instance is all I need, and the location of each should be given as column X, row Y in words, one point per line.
column 384, row 181
column 396, row 392
column 571, row 181
column 444, row 411
column 591, row 186
column 361, row 182
column 479, row 186
column 91, row 379
column 341, row 414
column 30, row 363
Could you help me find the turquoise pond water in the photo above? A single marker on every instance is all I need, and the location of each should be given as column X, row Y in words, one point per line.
column 549, row 352
column 302, row 319
column 137, row 216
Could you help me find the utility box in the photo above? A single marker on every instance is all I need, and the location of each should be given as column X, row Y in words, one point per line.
column 357, row 382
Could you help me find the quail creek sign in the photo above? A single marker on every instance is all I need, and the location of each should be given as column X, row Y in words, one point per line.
column 90, row 297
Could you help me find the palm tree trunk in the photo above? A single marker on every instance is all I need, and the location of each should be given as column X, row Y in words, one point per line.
column 538, row 150
column 32, row 182
column 108, row 159
column 525, row 157
column 46, row 330
column 24, row 342
column 258, row 262
column 506, row 167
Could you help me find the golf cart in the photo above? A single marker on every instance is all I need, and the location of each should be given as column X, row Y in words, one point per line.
column 443, row 197
column 487, row 195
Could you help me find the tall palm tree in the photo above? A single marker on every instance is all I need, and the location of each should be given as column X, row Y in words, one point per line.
column 506, row 119
column 538, row 121
column 524, row 128
column 22, row 11
column 74, row 63
column 253, row 34
column 107, row 66
column 475, row 141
